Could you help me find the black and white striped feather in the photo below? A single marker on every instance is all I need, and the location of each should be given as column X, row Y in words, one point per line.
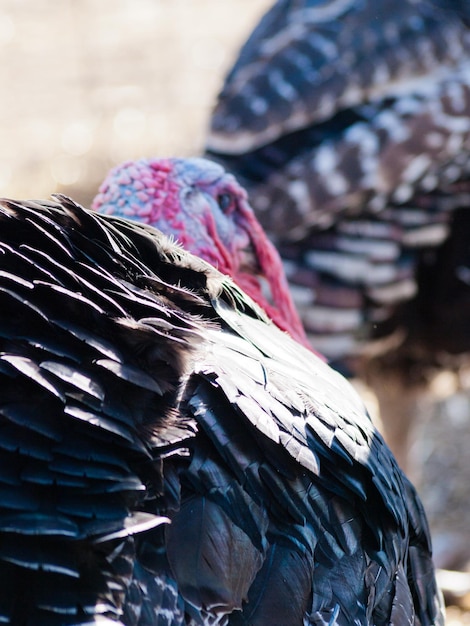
column 349, row 123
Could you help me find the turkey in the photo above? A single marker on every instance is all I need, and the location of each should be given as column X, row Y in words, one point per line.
column 207, row 211
column 349, row 123
column 168, row 455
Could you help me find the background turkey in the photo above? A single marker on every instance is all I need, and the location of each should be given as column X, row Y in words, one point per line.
column 168, row 455
column 349, row 123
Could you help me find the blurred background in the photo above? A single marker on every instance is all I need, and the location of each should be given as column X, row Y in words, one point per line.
column 86, row 85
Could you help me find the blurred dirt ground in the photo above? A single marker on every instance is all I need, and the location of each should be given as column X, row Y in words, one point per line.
column 87, row 84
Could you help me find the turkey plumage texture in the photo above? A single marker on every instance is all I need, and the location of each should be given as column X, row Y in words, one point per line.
column 355, row 170
column 349, row 123
column 169, row 457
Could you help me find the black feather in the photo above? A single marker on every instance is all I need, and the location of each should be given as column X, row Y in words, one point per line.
column 167, row 456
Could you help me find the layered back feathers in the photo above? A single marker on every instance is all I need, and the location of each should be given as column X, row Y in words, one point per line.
column 168, row 456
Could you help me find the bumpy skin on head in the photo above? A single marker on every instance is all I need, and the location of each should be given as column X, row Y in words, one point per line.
column 207, row 211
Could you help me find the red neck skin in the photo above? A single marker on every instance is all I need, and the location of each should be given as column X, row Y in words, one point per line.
column 234, row 243
column 280, row 307
column 268, row 285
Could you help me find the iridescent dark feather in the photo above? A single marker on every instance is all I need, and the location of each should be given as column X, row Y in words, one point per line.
column 168, row 456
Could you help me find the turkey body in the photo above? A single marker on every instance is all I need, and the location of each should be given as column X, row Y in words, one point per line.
column 168, row 456
column 349, row 123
